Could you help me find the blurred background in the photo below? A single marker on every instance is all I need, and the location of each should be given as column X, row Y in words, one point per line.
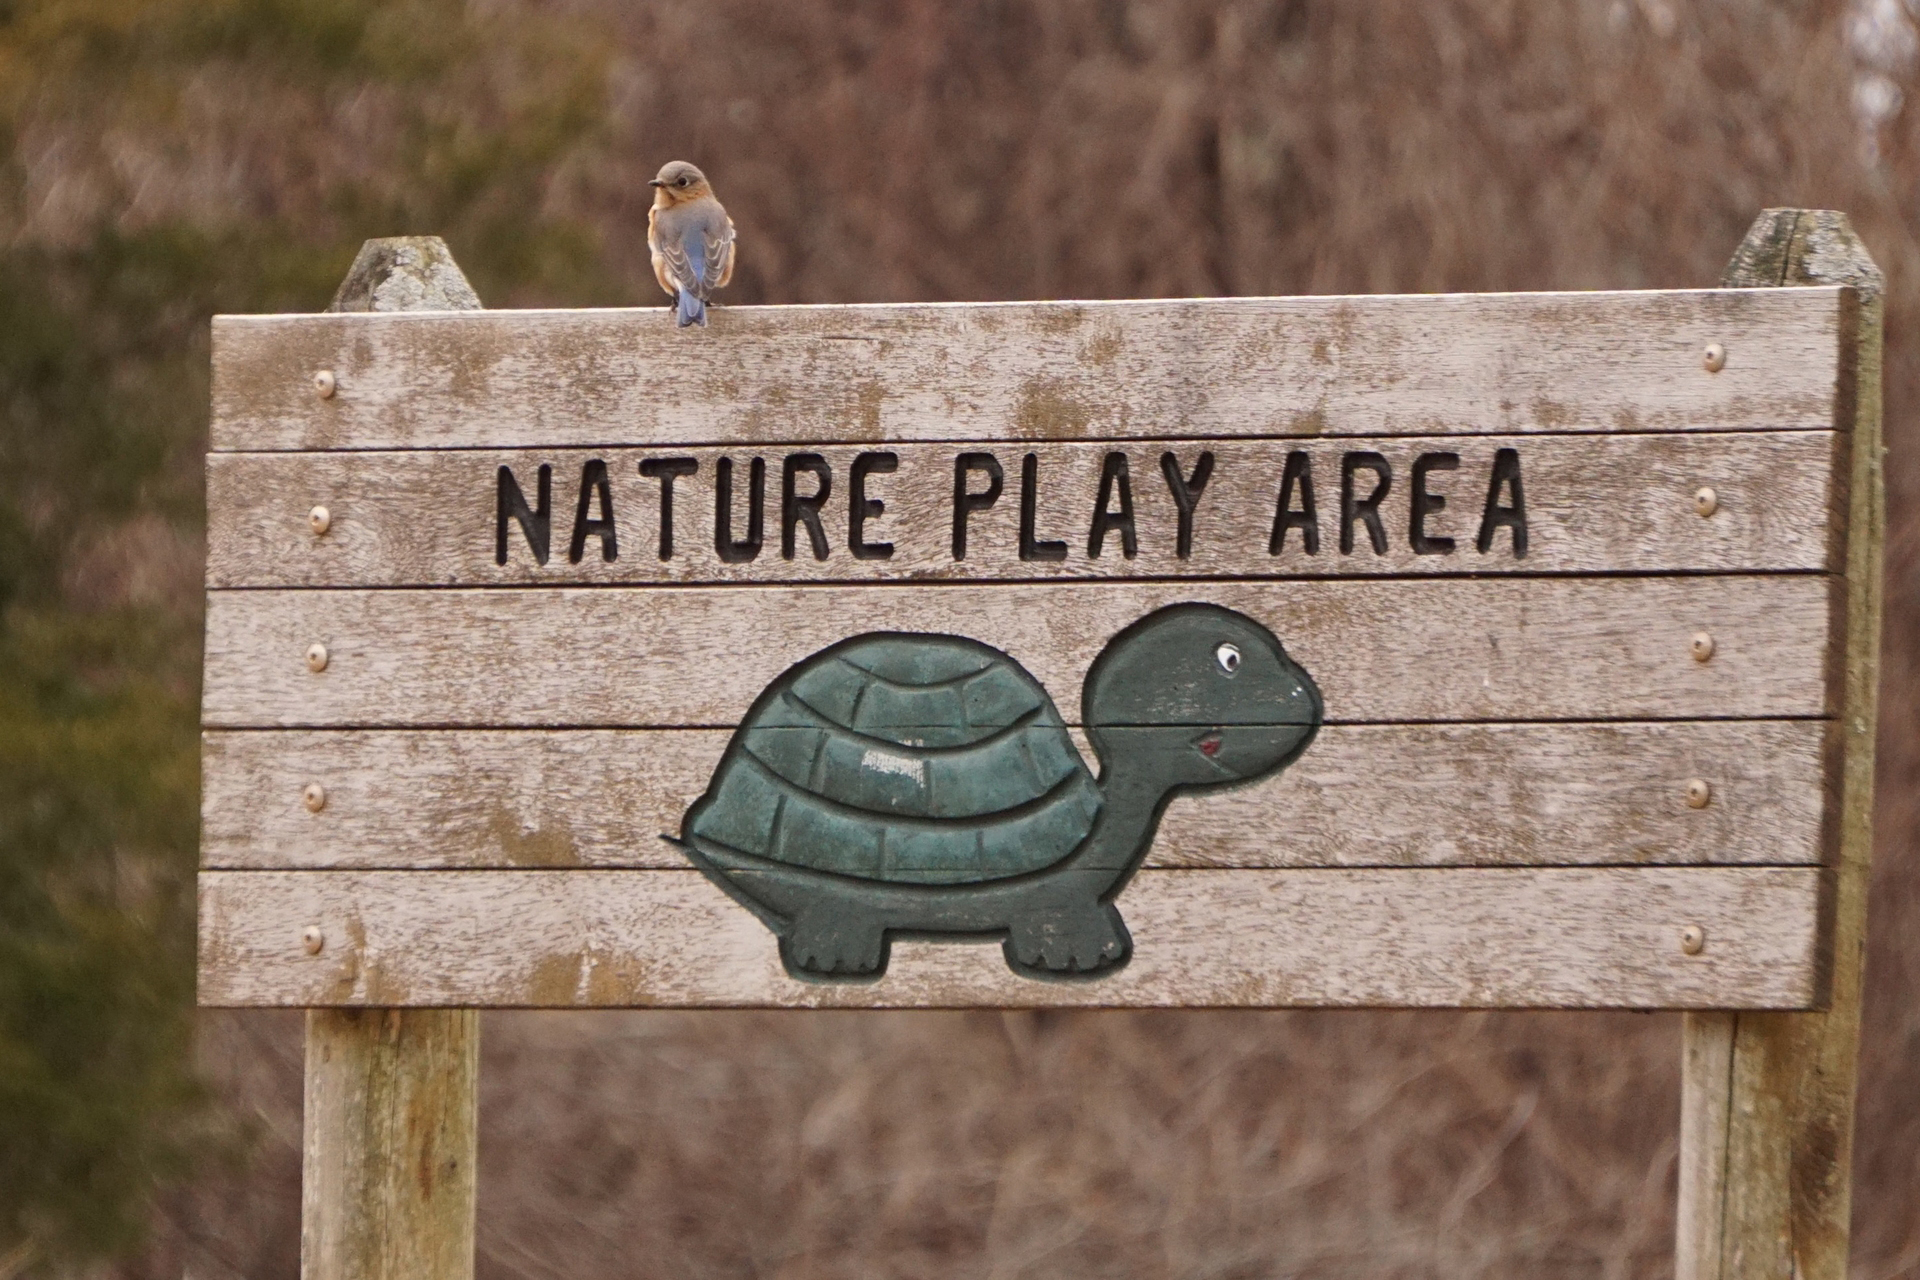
column 168, row 159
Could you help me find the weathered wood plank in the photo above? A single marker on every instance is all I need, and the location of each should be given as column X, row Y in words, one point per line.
column 1593, row 503
column 1564, row 938
column 1389, row 795
column 1442, row 649
column 1429, row 364
column 1769, row 1098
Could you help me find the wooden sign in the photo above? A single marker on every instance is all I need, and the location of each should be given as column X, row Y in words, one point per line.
column 1423, row 651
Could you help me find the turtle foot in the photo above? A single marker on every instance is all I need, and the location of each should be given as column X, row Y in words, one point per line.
column 835, row 947
column 1068, row 941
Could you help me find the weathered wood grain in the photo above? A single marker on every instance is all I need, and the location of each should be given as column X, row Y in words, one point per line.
column 1594, row 503
column 1389, row 795
column 1429, row 364
column 1769, row 1098
column 1565, row 938
column 1400, row 650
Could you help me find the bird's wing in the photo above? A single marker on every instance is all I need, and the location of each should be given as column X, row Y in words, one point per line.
column 720, row 251
column 672, row 263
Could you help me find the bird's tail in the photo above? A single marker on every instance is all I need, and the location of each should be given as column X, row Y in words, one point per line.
column 691, row 310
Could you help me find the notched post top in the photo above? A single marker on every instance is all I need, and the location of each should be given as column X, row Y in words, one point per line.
column 1803, row 247
column 405, row 273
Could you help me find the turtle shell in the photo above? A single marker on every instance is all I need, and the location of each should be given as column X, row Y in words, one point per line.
column 912, row 759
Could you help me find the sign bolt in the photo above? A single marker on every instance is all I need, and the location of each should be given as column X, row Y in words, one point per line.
column 1698, row 793
column 315, row 797
column 1705, row 501
column 322, row 519
column 324, row 384
column 316, row 658
column 312, row 939
column 1702, row 647
column 1714, row 358
column 1693, row 939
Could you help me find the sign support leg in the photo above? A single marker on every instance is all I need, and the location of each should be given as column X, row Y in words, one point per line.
column 388, row 1168
column 1767, row 1101
column 387, row 1177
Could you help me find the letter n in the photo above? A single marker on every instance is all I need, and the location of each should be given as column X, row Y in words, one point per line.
column 511, row 503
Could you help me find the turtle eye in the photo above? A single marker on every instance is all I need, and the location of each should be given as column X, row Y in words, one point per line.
column 1228, row 656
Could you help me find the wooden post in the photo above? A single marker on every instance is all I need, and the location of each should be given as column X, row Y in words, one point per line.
column 388, row 1175
column 388, row 1179
column 1766, row 1140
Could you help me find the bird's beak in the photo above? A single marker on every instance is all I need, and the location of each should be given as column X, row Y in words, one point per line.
column 655, row 182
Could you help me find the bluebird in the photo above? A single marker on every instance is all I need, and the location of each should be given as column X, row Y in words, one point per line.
column 691, row 237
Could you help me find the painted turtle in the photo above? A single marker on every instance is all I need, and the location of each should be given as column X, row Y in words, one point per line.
column 898, row 782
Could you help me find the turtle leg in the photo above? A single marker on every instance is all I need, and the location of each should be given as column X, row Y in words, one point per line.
column 1065, row 939
column 834, row 943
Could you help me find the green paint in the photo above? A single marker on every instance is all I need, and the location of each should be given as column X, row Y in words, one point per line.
column 926, row 784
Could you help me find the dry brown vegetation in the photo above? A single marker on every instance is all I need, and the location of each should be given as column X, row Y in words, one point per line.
column 914, row 149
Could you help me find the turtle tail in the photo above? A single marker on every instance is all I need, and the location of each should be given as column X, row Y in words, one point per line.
column 755, row 883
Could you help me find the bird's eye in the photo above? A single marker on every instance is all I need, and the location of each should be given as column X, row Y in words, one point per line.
column 683, row 181
column 1228, row 656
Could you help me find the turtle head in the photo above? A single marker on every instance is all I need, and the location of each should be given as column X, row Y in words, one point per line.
column 1194, row 695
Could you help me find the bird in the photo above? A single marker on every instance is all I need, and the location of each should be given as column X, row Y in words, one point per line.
column 691, row 239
